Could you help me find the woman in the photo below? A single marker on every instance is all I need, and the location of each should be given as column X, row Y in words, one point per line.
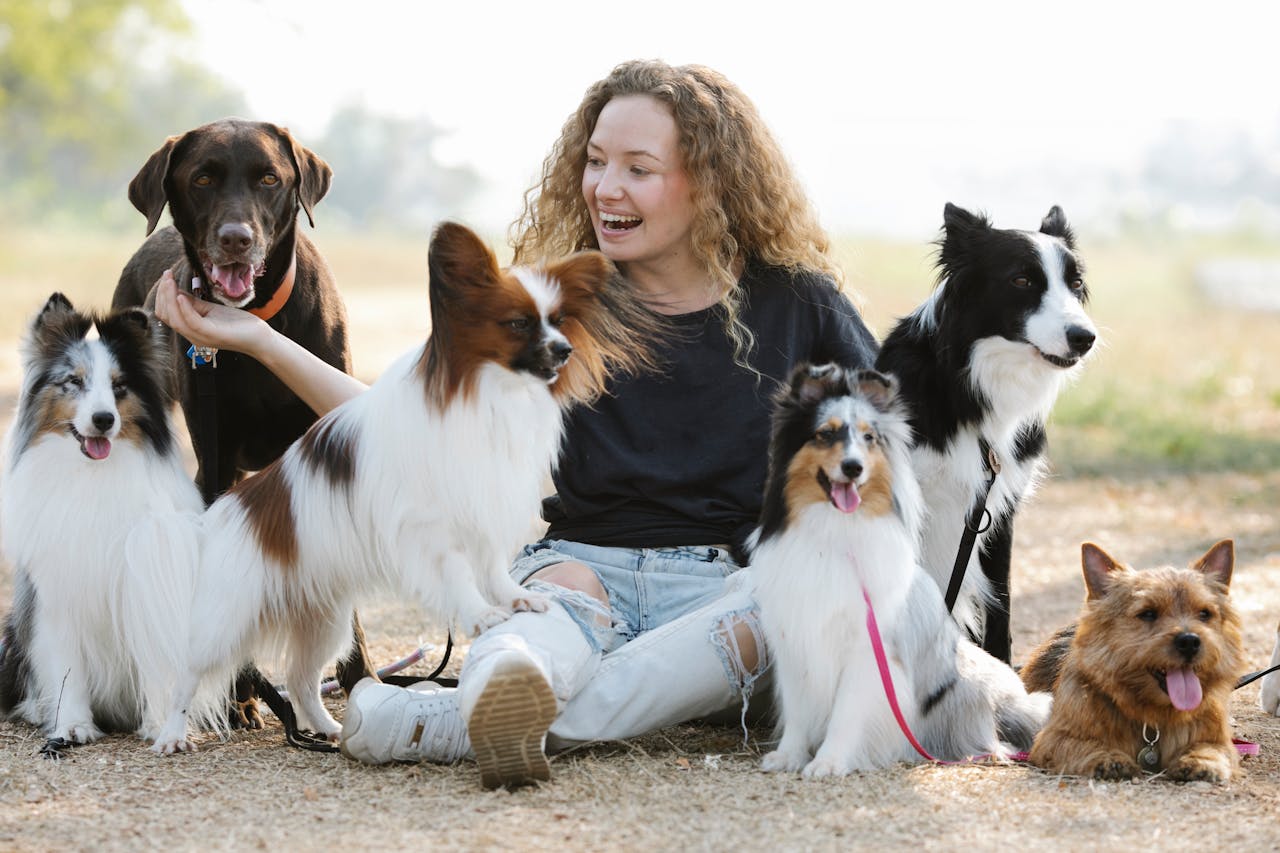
column 672, row 174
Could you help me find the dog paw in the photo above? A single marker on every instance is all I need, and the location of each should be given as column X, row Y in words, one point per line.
column 486, row 619
column 822, row 768
column 172, row 745
column 1200, row 770
column 1115, row 770
column 530, row 601
column 78, row 733
column 782, row 762
column 244, row 715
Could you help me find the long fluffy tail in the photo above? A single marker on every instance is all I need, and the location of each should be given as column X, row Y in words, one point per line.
column 163, row 561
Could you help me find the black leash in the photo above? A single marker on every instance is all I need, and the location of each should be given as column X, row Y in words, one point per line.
column 979, row 521
column 1254, row 676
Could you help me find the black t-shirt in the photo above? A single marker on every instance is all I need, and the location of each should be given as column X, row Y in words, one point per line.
column 679, row 457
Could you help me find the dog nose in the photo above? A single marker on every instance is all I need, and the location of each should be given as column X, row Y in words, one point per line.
column 235, row 237
column 104, row 420
column 851, row 468
column 1187, row 644
column 561, row 350
column 1080, row 339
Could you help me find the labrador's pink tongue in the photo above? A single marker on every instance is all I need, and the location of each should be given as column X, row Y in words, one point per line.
column 845, row 496
column 234, row 279
column 97, row 448
column 1184, row 689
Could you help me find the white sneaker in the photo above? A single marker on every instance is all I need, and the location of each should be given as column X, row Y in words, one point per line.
column 386, row 723
column 508, row 723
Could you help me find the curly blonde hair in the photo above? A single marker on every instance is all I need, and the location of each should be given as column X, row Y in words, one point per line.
column 747, row 201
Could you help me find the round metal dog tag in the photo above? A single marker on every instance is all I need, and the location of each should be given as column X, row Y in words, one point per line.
column 1149, row 758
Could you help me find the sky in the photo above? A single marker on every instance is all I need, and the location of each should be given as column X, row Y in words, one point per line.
column 887, row 110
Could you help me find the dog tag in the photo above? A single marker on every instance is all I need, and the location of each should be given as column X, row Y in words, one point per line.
column 1149, row 758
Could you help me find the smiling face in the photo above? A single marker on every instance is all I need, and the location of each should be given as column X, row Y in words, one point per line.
column 636, row 187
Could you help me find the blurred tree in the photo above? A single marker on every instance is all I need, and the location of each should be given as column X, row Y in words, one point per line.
column 385, row 174
column 79, row 101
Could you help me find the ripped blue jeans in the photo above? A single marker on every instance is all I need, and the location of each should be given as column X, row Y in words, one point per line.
column 669, row 649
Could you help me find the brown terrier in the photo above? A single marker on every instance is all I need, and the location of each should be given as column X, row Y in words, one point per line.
column 1141, row 684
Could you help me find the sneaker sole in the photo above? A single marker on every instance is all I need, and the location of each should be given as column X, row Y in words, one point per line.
column 509, row 724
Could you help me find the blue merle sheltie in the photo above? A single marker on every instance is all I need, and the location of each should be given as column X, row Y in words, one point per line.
column 89, row 454
column 980, row 365
column 841, row 519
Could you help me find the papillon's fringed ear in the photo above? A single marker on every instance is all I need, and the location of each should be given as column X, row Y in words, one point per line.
column 458, row 258
column 1218, row 562
column 879, row 388
column 1055, row 225
column 581, row 275
column 1098, row 568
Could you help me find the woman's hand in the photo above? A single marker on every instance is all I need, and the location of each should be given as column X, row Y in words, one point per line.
column 208, row 324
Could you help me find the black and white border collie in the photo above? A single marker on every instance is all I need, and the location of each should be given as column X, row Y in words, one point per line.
column 841, row 518
column 425, row 485
column 89, row 454
column 983, row 359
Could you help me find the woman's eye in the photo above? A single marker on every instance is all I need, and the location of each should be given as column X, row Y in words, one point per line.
column 639, row 171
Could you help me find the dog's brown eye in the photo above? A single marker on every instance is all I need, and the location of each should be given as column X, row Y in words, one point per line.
column 1021, row 281
column 73, row 383
column 556, row 320
column 1076, row 284
column 825, row 435
column 203, row 180
column 1148, row 615
column 119, row 389
column 520, row 324
column 869, row 438
column 269, row 180
column 1205, row 615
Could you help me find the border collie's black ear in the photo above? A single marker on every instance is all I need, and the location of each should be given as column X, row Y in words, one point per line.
column 878, row 388
column 958, row 226
column 957, row 219
column 1055, row 225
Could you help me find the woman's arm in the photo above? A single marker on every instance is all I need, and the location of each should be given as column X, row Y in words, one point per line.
column 320, row 385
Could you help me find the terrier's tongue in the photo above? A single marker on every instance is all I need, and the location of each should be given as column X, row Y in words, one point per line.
column 97, row 448
column 1184, row 689
column 234, row 279
column 845, row 496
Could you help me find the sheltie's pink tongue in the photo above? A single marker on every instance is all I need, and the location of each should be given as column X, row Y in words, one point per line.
column 97, row 448
column 234, row 279
column 1184, row 689
column 845, row 496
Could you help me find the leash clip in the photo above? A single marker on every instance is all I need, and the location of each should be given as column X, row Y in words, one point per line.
column 202, row 356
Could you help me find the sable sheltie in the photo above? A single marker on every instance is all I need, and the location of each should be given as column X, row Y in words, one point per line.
column 842, row 512
column 425, row 485
column 90, row 453
column 983, row 359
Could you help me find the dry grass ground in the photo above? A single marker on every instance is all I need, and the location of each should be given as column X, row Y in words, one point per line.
column 699, row 787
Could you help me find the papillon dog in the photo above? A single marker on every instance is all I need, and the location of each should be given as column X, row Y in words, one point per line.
column 89, row 455
column 425, row 485
column 841, row 518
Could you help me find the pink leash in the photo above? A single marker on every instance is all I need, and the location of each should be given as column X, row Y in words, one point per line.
column 1244, row 747
column 886, row 679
